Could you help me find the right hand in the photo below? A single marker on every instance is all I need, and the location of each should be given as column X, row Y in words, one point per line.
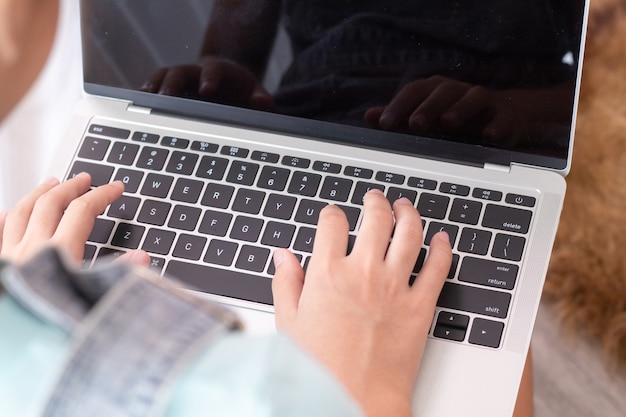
column 214, row 79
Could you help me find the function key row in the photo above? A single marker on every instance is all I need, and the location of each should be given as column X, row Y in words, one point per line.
column 99, row 149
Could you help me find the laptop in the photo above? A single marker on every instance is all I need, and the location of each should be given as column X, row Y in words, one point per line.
column 233, row 124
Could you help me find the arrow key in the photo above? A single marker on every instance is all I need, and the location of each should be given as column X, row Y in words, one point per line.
column 451, row 333
column 486, row 333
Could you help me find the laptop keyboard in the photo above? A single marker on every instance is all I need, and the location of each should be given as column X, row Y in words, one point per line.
column 210, row 214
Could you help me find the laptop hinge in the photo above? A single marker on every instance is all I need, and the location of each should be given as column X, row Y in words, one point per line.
column 496, row 167
column 138, row 109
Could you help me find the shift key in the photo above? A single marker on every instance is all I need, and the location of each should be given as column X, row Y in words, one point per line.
column 474, row 300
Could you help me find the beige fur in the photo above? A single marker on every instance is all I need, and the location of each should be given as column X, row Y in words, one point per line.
column 587, row 276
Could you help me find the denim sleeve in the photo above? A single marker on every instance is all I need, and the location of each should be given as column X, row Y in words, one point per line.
column 235, row 376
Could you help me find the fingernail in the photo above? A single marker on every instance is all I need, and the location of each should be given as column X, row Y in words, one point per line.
column 279, row 257
column 375, row 191
column 50, row 180
column 443, row 236
column 404, row 200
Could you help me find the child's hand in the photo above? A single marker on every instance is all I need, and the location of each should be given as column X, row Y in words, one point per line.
column 57, row 214
column 357, row 314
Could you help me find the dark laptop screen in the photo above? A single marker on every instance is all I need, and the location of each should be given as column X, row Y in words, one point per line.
column 495, row 78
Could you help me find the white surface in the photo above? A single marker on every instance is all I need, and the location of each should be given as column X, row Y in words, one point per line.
column 35, row 127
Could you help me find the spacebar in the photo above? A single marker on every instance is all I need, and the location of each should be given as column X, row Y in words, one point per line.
column 224, row 282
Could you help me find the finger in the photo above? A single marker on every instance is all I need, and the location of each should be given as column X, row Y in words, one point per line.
column 153, row 84
column 331, row 238
column 441, row 99
column 78, row 220
column 286, row 287
column 376, row 227
column 407, row 237
column 260, row 99
column 473, row 102
column 3, row 217
column 178, row 78
column 435, row 270
column 49, row 207
column 136, row 257
column 17, row 219
column 405, row 102
column 372, row 116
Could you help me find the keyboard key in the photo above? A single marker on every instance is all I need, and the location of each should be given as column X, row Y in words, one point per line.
column 124, row 208
column 419, row 263
column 484, row 194
column 145, row 137
column 101, row 231
column 507, row 218
column 227, row 283
column 156, row 264
column 158, row 241
column 157, row 185
column 433, row 205
column 100, row 174
column 352, row 214
column 113, row 132
column 212, row 167
column 221, row 252
column 474, row 300
column 337, row 189
column 248, row 201
column 189, row 247
column 187, row 190
column 184, row 218
column 88, row 255
column 328, row 167
column 474, row 241
column 123, row 153
column 243, row 173
column 265, row 157
column 217, row 195
column 278, row 234
column 309, row 211
column 93, row 148
column 154, row 212
column 453, row 266
column 109, row 253
column 356, row 172
column 465, row 211
column 508, row 247
column 279, row 206
column 436, row 227
column 202, row 146
column 521, row 200
column 362, row 188
column 252, row 258
column 128, row 235
column 271, row 269
column 486, row 333
column 294, row 161
column 273, row 178
column 304, row 240
column 304, row 183
column 450, row 333
column 449, row 319
column 173, row 142
column 130, row 178
column 422, row 183
column 235, row 151
column 182, row 163
column 394, row 193
column 246, row 228
column 390, row 177
column 215, row 223
column 489, row 273
column 456, row 189
column 152, row 158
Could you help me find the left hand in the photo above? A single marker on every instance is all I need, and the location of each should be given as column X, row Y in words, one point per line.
column 58, row 214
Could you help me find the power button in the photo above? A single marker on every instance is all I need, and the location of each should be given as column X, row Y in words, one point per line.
column 521, row 200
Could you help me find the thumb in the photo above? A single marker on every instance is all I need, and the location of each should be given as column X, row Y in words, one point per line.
column 286, row 286
column 137, row 257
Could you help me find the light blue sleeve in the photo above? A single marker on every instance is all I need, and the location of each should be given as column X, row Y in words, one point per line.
column 236, row 376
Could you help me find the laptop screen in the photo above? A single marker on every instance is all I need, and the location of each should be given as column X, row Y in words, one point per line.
column 488, row 81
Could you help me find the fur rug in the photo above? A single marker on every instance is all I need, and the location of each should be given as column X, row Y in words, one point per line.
column 586, row 281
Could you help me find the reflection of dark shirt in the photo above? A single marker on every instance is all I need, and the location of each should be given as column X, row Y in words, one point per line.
column 351, row 51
